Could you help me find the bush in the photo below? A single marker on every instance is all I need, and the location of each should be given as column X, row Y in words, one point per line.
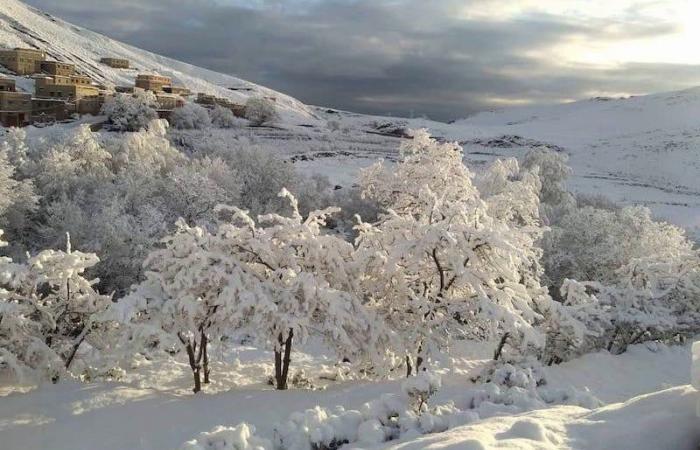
column 260, row 111
column 223, row 118
column 131, row 112
column 190, row 117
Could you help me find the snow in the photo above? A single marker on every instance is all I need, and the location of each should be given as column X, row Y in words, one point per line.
column 660, row 420
column 696, row 365
column 73, row 416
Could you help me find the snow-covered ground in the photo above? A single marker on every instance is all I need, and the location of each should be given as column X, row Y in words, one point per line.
column 645, row 390
column 660, row 420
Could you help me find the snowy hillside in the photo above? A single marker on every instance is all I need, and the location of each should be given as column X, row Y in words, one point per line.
column 24, row 26
column 640, row 150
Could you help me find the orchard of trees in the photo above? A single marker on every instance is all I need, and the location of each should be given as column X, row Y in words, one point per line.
column 182, row 251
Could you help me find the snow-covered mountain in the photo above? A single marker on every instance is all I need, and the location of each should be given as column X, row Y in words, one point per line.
column 25, row 26
column 638, row 150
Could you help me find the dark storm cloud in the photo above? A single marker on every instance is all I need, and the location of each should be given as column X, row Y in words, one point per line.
column 382, row 56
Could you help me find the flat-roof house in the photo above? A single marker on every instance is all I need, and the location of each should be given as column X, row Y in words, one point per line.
column 15, row 109
column 22, row 61
column 154, row 83
column 178, row 90
column 68, row 88
column 57, row 68
column 7, row 85
column 117, row 63
column 169, row 102
column 47, row 110
column 208, row 100
column 90, row 105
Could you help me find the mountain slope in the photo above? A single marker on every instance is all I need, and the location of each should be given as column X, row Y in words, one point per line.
column 24, row 26
column 639, row 150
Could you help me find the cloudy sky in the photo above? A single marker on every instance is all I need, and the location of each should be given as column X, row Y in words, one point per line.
column 440, row 58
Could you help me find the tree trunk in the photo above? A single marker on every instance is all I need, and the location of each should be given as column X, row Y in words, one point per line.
column 612, row 339
column 205, row 357
column 283, row 360
column 194, row 365
column 76, row 346
column 278, row 367
column 499, row 350
column 419, row 357
column 409, row 366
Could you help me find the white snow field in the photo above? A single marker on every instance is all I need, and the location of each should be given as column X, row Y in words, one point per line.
column 649, row 406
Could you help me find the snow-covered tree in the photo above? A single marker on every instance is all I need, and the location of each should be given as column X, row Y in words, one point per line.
column 260, row 111
column 636, row 278
column 17, row 198
column 46, row 311
column 188, row 297
column 310, row 286
column 553, row 172
column 437, row 262
column 15, row 147
column 224, row 118
column 190, row 117
column 127, row 112
column 148, row 151
column 278, row 282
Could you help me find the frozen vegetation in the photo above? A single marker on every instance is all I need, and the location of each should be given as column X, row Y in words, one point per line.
column 200, row 264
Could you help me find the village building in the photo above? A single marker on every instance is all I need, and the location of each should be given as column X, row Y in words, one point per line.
column 68, row 88
column 48, row 110
column 154, row 83
column 169, row 101
column 15, row 108
column 22, row 61
column 210, row 101
column 127, row 89
column 57, row 68
column 90, row 105
column 116, row 63
column 7, row 85
column 178, row 90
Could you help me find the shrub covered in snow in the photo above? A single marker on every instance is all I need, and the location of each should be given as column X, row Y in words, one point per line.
column 442, row 260
column 260, row 111
column 46, row 312
column 126, row 112
column 384, row 419
column 505, row 388
column 420, row 388
column 190, row 117
column 240, row 437
column 512, row 387
column 224, row 118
